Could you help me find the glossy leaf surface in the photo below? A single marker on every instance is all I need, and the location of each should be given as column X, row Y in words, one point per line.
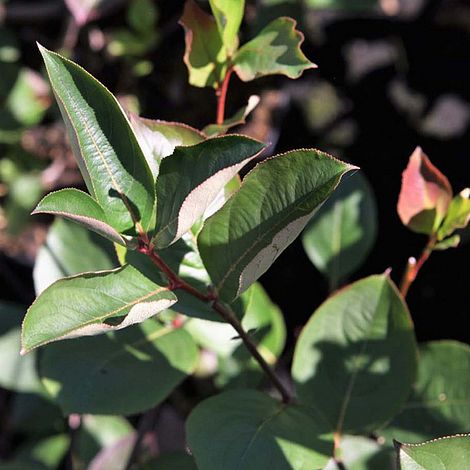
column 446, row 453
column 273, row 205
column 357, row 348
column 247, row 429
column 275, row 50
column 192, row 177
column 205, row 54
column 123, row 372
column 105, row 146
column 440, row 403
column 84, row 304
column 425, row 194
column 341, row 234
column 79, row 207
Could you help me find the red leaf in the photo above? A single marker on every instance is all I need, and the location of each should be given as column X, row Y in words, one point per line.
column 425, row 194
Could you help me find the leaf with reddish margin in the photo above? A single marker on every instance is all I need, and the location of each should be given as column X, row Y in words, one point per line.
column 275, row 50
column 425, row 195
column 205, row 55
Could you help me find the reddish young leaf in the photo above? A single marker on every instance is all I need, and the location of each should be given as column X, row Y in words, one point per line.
column 425, row 195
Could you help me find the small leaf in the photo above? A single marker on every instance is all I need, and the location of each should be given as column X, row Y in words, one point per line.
column 451, row 242
column 341, row 234
column 237, row 119
column 458, row 214
column 191, row 178
column 205, row 54
column 123, row 372
column 358, row 347
column 108, row 154
column 445, row 453
column 425, row 195
column 158, row 139
column 70, row 249
column 273, row 205
column 81, row 208
column 275, row 50
column 81, row 305
column 228, row 16
column 440, row 403
column 252, row 431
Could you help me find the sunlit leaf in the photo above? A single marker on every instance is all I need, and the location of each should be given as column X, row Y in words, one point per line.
column 275, row 50
column 356, row 349
column 247, row 429
column 273, row 205
column 93, row 303
column 228, row 16
column 458, row 214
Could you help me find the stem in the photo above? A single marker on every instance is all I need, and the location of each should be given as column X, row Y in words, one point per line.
column 175, row 282
column 222, row 96
column 413, row 267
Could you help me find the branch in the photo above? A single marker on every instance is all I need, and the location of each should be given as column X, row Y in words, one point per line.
column 222, row 96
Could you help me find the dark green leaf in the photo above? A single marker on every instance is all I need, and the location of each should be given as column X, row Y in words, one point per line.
column 171, row 461
column 70, row 249
column 192, row 177
column 340, row 235
column 123, row 372
column 79, row 207
column 251, row 431
column 237, row 119
column 82, row 305
column 440, row 403
column 205, row 55
column 273, row 205
column 48, row 451
column 108, row 154
column 356, row 349
column 445, row 453
column 275, row 50
column 228, row 16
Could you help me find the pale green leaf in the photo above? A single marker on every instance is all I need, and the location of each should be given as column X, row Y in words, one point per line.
column 451, row 242
column 251, row 431
column 273, row 205
column 79, row 207
column 275, row 50
column 445, row 453
column 228, row 16
column 457, row 216
column 440, row 403
column 205, row 55
column 105, row 146
column 237, row 119
column 158, row 139
column 356, row 349
column 85, row 304
column 123, row 372
column 341, row 234
column 192, row 177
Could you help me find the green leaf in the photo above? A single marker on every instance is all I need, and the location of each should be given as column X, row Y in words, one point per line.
column 83, row 304
column 237, row 119
column 228, row 16
column 205, row 55
column 171, row 461
column 440, row 403
column 275, row 50
column 425, row 195
column 123, row 372
column 341, row 234
column 362, row 453
column 70, row 249
column 105, row 146
column 158, row 139
column 48, row 451
column 458, row 214
column 445, row 453
column 17, row 373
column 248, row 430
column 263, row 319
column 356, row 349
column 79, row 207
column 451, row 242
column 191, row 178
column 273, row 205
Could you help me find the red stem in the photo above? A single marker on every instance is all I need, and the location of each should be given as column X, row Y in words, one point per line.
column 222, row 96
